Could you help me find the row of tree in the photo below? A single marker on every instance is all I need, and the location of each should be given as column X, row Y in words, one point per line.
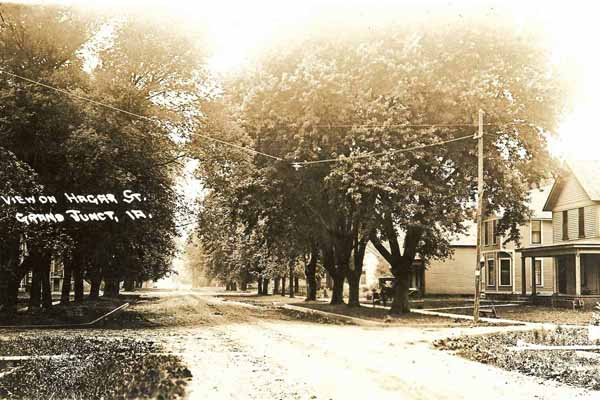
column 364, row 139
column 53, row 143
column 336, row 142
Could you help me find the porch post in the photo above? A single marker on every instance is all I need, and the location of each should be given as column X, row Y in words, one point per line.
column 533, row 274
column 577, row 274
column 555, row 275
column 523, row 275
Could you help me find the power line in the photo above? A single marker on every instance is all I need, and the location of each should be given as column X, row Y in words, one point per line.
column 389, row 152
column 117, row 109
column 277, row 158
column 77, row 96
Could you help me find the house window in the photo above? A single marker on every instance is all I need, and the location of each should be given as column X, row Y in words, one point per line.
column 581, row 222
column 494, row 231
column 505, row 272
column 491, row 273
column 486, row 236
column 539, row 273
column 565, row 225
column 536, row 231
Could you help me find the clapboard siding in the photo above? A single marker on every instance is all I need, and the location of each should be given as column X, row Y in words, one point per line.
column 590, row 221
column 572, row 193
column 547, row 232
column 454, row 275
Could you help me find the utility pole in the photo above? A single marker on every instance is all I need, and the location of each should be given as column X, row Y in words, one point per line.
column 480, row 189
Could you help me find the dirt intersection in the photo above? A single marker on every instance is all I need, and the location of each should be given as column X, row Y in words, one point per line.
column 243, row 351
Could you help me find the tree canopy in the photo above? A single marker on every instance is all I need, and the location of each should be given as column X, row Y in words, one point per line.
column 374, row 136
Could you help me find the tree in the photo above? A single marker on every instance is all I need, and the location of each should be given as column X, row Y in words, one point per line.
column 40, row 43
column 153, row 71
column 152, row 76
column 195, row 260
column 312, row 98
column 442, row 77
column 393, row 111
column 15, row 176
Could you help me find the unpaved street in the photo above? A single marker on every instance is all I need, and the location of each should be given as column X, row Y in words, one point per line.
column 242, row 351
column 248, row 357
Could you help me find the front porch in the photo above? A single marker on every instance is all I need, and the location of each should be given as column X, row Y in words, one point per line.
column 576, row 273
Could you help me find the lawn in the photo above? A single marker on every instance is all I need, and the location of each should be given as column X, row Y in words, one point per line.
column 575, row 368
column 271, row 299
column 366, row 311
column 530, row 313
column 73, row 313
column 563, row 316
column 382, row 315
column 92, row 369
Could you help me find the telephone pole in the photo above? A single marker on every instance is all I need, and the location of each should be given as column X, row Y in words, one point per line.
column 480, row 189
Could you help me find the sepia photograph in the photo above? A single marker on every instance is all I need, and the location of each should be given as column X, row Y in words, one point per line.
column 299, row 200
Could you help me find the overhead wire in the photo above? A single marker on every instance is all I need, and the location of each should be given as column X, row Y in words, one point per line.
column 388, row 152
column 143, row 117
column 295, row 164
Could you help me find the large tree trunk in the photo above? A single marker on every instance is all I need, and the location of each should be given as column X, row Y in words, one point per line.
column 10, row 305
column 276, row 283
column 35, row 295
column 283, row 280
column 5, row 278
column 129, row 285
column 265, row 286
column 343, row 251
column 77, row 265
column 310, row 271
column 260, row 290
column 354, row 289
column 65, row 295
column 400, row 263
column 45, row 277
column 78, row 283
column 96, row 282
column 10, row 290
column 337, row 292
column 401, row 304
column 296, row 284
column 291, row 288
column 355, row 272
column 12, row 273
column 111, row 287
column 336, row 275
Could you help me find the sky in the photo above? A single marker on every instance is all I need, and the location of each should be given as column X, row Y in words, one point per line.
column 234, row 30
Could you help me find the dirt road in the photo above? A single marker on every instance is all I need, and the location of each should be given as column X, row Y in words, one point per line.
column 245, row 356
column 242, row 351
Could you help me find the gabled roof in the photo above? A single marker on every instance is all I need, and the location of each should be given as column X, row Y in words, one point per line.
column 537, row 200
column 587, row 173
